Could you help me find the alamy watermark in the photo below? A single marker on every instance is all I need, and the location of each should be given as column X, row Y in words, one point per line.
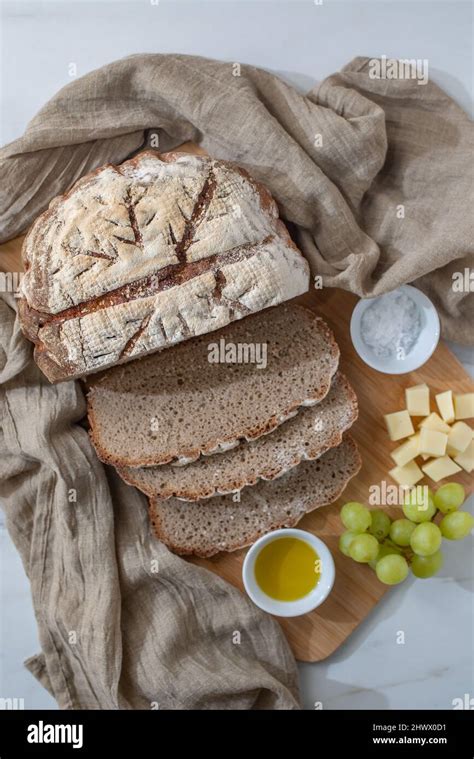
column 225, row 352
column 12, row 704
column 463, row 281
column 10, row 282
column 464, row 702
column 385, row 494
column 395, row 68
column 42, row 732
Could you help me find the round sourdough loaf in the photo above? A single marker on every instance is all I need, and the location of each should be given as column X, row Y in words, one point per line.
column 138, row 257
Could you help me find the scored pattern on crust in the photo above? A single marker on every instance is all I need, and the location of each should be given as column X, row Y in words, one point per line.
column 170, row 276
column 100, row 261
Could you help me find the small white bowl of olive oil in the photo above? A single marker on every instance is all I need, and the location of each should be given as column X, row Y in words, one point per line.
column 288, row 572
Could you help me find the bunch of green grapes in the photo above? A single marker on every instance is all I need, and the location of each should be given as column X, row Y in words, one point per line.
column 413, row 542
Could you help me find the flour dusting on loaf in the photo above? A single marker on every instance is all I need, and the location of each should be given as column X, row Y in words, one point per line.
column 144, row 255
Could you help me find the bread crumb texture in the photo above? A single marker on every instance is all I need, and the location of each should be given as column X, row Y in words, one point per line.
column 176, row 405
column 306, row 436
column 222, row 524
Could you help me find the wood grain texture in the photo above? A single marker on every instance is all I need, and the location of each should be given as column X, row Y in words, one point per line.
column 315, row 636
column 10, row 255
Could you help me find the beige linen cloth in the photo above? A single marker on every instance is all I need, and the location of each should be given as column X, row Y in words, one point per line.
column 375, row 174
column 375, row 177
column 123, row 623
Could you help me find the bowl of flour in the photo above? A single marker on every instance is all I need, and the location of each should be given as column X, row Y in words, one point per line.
column 397, row 332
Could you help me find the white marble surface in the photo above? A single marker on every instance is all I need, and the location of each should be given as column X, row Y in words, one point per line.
column 304, row 42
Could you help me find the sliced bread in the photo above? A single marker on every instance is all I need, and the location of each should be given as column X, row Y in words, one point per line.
column 222, row 524
column 306, row 436
column 179, row 404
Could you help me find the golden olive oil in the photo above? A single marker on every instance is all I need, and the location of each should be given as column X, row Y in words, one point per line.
column 287, row 569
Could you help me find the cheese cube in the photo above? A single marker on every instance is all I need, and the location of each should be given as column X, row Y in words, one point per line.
column 440, row 468
column 466, row 459
column 418, row 400
column 445, row 404
column 399, row 425
column 459, row 438
column 406, row 451
column 416, row 438
column 432, row 442
column 434, row 422
column 407, row 475
column 464, row 406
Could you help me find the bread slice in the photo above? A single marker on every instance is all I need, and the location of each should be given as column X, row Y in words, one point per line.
column 221, row 524
column 306, row 436
column 137, row 257
column 177, row 405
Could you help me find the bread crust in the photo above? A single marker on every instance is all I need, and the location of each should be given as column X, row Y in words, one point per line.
column 86, row 310
column 291, row 521
column 310, row 453
column 223, row 442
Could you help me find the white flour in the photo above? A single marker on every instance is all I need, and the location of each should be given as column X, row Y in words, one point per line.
column 391, row 325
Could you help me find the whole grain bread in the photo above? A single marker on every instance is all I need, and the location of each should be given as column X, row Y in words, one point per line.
column 219, row 524
column 178, row 404
column 305, row 437
column 138, row 257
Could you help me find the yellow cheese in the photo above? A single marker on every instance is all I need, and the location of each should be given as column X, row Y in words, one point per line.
column 440, row 468
column 464, row 406
column 406, row 451
column 445, row 404
column 466, row 459
column 460, row 435
column 407, row 475
column 416, row 438
column 434, row 422
column 399, row 425
column 432, row 442
column 418, row 400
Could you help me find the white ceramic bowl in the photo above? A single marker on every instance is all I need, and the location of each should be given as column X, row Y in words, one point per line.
column 301, row 605
column 421, row 351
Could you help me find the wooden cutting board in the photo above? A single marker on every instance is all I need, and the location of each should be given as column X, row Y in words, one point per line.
column 356, row 591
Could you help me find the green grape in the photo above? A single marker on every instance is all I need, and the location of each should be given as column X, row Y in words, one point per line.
column 401, row 530
column 380, row 525
column 449, row 497
column 355, row 516
column 345, row 540
column 426, row 566
column 392, row 569
column 390, row 544
column 364, row 548
column 456, row 525
column 425, row 539
column 384, row 550
column 418, row 507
